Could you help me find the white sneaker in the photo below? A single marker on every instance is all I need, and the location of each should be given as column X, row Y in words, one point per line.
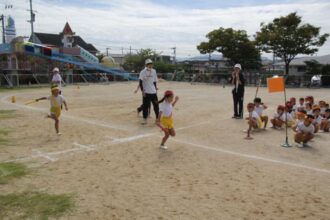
column 144, row 121
column 164, row 147
column 300, row 145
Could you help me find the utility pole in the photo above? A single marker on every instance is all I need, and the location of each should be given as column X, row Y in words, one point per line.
column 130, row 50
column 32, row 20
column 108, row 48
column 2, row 18
column 174, row 58
column 174, row 53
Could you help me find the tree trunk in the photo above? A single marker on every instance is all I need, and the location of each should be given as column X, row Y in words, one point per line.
column 287, row 65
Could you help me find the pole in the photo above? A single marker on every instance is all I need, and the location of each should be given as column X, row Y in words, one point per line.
column 286, row 143
column 32, row 18
column 2, row 18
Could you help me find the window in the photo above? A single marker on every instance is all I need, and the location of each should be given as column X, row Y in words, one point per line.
column 301, row 68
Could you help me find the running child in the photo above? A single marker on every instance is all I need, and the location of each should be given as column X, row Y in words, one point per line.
column 259, row 107
column 56, row 101
column 305, row 131
column 254, row 120
column 165, row 119
column 325, row 124
column 277, row 121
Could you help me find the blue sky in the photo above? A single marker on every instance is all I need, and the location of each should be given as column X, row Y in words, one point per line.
column 160, row 24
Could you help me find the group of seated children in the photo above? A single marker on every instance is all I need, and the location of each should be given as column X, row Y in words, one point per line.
column 305, row 118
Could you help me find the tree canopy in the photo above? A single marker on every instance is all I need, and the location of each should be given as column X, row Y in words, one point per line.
column 287, row 37
column 234, row 45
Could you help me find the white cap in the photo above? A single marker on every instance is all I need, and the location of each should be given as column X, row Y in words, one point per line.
column 148, row 61
column 238, row 66
column 56, row 70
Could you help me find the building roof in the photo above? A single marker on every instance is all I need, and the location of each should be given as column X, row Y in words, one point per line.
column 67, row 29
column 324, row 60
column 56, row 40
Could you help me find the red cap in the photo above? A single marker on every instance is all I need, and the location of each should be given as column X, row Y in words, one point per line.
column 168, row 93
column 250, row 105
column 292, row 99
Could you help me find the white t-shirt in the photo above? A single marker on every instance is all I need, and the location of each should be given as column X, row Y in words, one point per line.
column 318, row 120
column 276, row 115
column 300, row 107
column 58, row 79
column 166, row 109
column 259, row 109
column 309, row 112
column 288, row 115
column 148, row 77
column 255, row 115
column 59, row 99
column 323, row 110
column 301, row 127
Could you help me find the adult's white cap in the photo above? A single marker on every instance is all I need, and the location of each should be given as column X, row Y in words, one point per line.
column 148, row 61
column 56, row 70
column 238, row 66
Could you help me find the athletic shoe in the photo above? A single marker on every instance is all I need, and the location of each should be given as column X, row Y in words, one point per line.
column 164, row 147
column 300, row 145
column 305, row 145
column 144, row 121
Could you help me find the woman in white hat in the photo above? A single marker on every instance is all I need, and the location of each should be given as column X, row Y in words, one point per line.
column 148, row 85
column 238, row 91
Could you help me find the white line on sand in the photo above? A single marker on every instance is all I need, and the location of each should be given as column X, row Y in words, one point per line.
column 88, row 121
column 86, row 147
column 253, row 157
column 44, row 155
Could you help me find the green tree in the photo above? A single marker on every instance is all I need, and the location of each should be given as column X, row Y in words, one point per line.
column 235, row 45
column 286, row 37
column 135, row 62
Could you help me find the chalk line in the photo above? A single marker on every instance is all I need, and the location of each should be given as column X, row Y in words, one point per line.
column 249, row 156
column 44, row 155
column 86, row 147
column 88, row 121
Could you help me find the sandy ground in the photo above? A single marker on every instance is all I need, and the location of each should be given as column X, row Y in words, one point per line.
column 114, row 168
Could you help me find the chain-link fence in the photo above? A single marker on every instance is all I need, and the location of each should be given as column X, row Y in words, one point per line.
column 251, row 79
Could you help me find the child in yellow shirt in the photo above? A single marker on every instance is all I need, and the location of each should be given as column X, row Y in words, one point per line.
column 56, row 101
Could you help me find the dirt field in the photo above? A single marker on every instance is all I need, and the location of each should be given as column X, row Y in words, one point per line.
column 114, row 168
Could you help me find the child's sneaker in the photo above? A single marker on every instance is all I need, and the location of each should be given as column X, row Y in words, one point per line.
column 300, row 145
column 164, row 147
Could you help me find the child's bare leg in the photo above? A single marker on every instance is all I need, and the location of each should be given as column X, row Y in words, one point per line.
column 317, row 128
column 57, row 122
column 249, row 130
column 265, row 120
column 308, row 137
column 298, row 138
column 172, row 132
column 273, row 122
column 167, row 134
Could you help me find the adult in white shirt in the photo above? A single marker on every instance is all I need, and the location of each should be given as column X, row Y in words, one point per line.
column 57, row 79
column 148, row 84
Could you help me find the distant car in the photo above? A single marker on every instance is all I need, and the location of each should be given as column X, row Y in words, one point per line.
column 316, row 80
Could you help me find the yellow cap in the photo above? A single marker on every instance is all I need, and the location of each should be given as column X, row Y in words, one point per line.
column 55, row 88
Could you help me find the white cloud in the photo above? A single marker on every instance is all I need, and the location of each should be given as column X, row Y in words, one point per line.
column 143, row 24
